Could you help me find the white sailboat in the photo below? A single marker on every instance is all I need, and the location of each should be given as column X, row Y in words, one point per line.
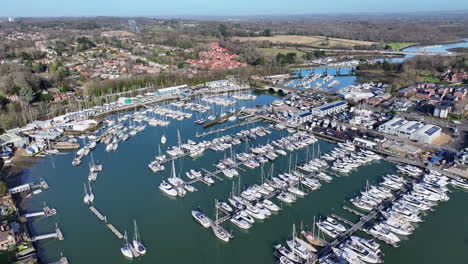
column 86, row 197
column 163, row 139
column 217, row 230
column 91, row 194
column 139, row 247
column 126, row 249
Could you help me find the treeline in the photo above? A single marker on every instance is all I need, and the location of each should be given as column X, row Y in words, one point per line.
column 168, row 79
column 412, row 70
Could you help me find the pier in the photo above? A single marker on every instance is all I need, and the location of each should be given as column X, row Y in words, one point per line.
column 104, row 219
column 62, row 260
column 115, row 231
column 46, row 211
column 58, row 234
column 248, row 121
column 97, row 213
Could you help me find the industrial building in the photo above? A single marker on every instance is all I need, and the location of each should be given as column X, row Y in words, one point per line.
column 302, row 117
column 330, row 108
column 411, row 129
column 12, row 138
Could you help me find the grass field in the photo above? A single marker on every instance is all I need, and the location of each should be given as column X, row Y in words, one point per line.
column 309, row 41
column 399, row 45
column 274, row 52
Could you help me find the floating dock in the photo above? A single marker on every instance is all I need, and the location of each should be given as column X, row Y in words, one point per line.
column 97, row 213
column 115, row 231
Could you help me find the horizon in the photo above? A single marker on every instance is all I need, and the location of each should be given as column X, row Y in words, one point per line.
column 211, row 8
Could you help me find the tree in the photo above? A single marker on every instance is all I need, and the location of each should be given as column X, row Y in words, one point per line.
column 3, row 188
column 27, row 94
column 223, row 30
column 267, row 32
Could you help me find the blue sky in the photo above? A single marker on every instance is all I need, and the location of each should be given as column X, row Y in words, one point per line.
column 15, row 8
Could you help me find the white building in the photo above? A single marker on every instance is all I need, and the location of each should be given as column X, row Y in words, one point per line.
column 427, row 134
column 330, row 108
column 411, row 129
column 302, row 117
column 172, row 90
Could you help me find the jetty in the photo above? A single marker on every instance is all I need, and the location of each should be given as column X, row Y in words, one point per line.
column 46, row 211
column 245, row 122
column 57, row 234
column 103, row 218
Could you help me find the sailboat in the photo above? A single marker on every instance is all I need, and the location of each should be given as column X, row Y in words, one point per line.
column 137, row 242
column 91, row 194
column 163, row 139
column 313, row 238
column 217, row 230
column 86, row 197
column 126, row 248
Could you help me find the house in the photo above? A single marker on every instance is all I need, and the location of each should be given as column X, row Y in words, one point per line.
column 442, row 111
column 7, row 236
column 423, row 94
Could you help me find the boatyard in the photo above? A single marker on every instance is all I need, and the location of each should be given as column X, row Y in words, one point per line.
column 222, row 170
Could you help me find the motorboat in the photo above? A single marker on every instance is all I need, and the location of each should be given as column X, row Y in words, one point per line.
column 167, row 189
column 201, row 218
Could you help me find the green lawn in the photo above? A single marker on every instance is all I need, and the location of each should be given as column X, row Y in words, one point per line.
column 398, row 45
column 274, row 52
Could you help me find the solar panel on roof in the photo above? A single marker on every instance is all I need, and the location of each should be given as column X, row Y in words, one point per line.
column 414, row 126
column 432, row 130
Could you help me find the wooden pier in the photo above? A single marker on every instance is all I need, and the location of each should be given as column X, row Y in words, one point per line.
column 115, row 231
column 97, row 213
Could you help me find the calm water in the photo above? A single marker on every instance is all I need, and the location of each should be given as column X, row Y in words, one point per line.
column 344, row 80
column 127, row 190
column 432, row 49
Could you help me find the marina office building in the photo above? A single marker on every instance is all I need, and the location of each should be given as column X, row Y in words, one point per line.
column 413, row 130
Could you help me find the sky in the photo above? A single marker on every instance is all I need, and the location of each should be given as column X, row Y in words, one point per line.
column 45, row 8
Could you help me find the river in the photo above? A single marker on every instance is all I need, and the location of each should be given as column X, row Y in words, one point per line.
column 127, row 190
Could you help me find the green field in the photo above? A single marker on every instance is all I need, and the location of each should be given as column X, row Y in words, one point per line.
column 274, row 52
column 399, row 45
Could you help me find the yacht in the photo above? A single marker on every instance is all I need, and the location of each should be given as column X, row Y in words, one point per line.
column 369, row 244
column 201, row 218
column 270, row 205
column 339, row 227
column 328, row 229
column 361, row 252
column 168, row 189
column 285, row 197
column 137, row 245
column 240, row 222
column 384, row 234
column 220, row 233
column 126, row 248
column 288, row 254
column 299, row 249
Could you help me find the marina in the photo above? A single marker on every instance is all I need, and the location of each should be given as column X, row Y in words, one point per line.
column 159, row 216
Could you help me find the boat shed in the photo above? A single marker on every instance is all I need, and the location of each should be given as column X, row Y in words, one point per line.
column 427, row 134
column 330, row 108
column 302, row 117
column 12, row 138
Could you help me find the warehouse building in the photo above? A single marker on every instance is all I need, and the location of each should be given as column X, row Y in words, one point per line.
column 411, row 129
column 302, row 117
column 330, row 108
